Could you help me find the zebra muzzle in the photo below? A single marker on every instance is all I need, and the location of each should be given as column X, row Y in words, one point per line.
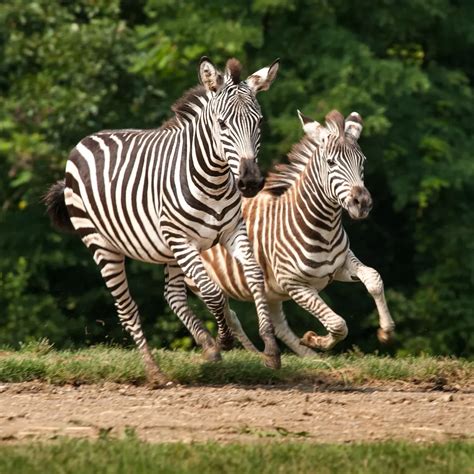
column 359, row 203
column 250, row 180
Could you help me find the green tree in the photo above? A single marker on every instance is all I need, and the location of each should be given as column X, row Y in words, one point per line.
column 71, row 68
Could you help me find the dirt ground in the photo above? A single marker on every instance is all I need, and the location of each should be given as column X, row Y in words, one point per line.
column 231, row 413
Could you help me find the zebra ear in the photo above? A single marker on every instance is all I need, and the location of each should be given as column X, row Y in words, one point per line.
column 353, row 126
column 312, row 128
column 233, row 68
column 263, row 78
column 209, row 76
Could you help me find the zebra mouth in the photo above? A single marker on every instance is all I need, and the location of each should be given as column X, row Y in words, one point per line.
column 250, row 180
column 357, row 214
column 250, row 192
column 251, row 188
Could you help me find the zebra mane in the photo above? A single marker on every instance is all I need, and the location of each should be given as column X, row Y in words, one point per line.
column 335, row 123
column 284, row 175
column 187, row 107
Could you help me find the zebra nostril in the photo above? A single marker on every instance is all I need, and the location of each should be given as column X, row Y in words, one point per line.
column 241, row 185
column 356, row 201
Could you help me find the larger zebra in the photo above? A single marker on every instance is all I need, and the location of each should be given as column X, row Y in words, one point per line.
column 298, row 238
column 164, row 195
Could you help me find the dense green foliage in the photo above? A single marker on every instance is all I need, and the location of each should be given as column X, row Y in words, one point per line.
column 71, row 68
column 131, row 455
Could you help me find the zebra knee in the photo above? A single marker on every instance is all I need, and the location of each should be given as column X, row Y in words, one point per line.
column 374, row 282
column 126, row 307
column 171, row 295
column 256, row 285
column 214, row 300
column 338, row 328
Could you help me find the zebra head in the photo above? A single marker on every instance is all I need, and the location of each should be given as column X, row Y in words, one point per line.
column 236, row 118
column 341, row 161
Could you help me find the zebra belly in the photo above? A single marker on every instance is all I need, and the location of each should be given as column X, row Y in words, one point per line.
column 317, row 276
column 146, row 251
column 227, row 272
column 129, row 235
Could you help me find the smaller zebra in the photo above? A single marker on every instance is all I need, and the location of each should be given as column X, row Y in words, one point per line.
column 295, row 224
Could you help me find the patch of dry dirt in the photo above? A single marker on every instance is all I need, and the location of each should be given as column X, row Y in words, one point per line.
column 231, row 413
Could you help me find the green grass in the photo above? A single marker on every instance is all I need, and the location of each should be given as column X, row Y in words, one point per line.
column 135, row 457
column 112, row 364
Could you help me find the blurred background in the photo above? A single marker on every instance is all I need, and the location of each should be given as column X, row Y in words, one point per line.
column 70, row 68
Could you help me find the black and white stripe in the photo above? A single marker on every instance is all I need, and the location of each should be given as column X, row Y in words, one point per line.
column 164, row 195
column 297, row 234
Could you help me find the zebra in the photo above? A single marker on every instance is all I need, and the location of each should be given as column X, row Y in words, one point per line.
column 298, row 238
column 164, row 195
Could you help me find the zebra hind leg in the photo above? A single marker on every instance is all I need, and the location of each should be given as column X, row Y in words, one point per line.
column 237, row 329
column 284, row 332
column 238, row 245
column 232, row 322
column 176, row 296
column 112, row 268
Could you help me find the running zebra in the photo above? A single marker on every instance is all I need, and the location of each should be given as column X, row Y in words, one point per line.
column 298, row 238
column 164, row 195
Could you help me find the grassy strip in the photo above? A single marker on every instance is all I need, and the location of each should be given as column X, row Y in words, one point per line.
column 112, row 364
column 131, row 455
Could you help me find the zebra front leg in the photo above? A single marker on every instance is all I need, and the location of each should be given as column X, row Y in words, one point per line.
column 354, row 270
column 309, row 299
column 176, row 296
column 231, row 319
column 188, row 258
column 284, row 332
column 231, row 327
column 112, row 268
column 238, row 245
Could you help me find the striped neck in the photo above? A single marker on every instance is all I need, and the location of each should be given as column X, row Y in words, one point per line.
column 203, row 163
column 319, row 213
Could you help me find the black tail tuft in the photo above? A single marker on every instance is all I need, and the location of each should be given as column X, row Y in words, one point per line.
column 56, row 207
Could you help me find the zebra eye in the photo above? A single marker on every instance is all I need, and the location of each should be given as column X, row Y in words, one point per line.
column 222, row 124
column 331, row 162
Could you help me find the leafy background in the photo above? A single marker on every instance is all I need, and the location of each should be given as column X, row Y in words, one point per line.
column 71, row 68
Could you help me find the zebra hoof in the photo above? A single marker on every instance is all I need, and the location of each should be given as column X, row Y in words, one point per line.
column 154, row 376
column 160, row 384
column 272, row 361
column 225, row 344
column 385, row 337
column 211, row 354
column 311, row 340
column 158, row 381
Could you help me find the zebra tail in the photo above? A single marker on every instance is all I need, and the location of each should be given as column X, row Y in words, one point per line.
column 56, row 207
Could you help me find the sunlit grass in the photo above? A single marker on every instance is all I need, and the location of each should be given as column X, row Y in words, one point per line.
column 132, row 456
column 113, row 364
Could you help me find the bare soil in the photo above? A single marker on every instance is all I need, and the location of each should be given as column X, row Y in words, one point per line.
column 232, row 413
